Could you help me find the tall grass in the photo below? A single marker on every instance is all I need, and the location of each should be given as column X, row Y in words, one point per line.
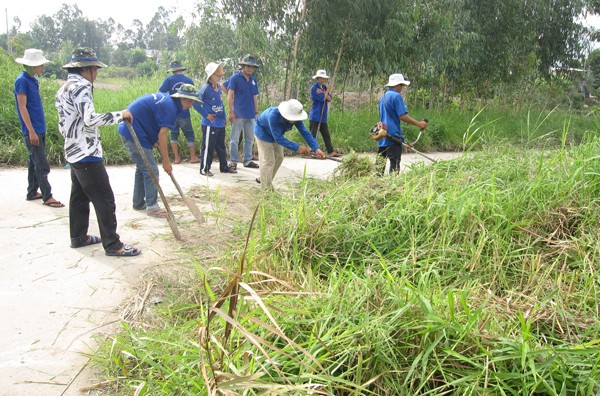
column 471, row 276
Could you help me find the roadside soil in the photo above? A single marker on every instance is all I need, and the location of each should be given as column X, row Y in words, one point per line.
column 56, row 300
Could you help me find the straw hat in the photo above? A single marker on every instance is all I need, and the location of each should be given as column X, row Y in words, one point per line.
column 32, row 57
column 320, row 74
column 83, row 57
column 292, row 110
column 397, row 79
column 187, row 91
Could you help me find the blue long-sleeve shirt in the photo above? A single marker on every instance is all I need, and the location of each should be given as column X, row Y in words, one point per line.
column 270, row 127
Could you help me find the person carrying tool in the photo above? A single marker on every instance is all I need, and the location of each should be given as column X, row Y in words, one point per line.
column 319, row 111
column 269, row 132
column 170, row 85
column 30, row 111
column 154, row 115
column 78, row 122
column 242, row 93
column 392, row 110
column 213, row 121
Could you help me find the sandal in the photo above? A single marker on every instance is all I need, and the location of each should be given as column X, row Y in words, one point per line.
column 36, row 196
column 54, row 204
column 90, row 240
column 158, row 213
column 125, row 251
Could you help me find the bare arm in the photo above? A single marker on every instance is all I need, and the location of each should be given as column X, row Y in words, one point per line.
column 255, row 106
column 409, row 120
column 22, row 103
column 163, row 134
column 230, row 104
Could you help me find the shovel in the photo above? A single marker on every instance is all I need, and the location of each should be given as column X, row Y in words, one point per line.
column 170, row 217
column 189, row 202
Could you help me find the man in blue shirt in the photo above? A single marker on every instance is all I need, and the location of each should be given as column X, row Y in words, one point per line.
column 392, row 109
column 269, row 130
column 170, row 85
column 242, row 92
column 153, row 116
column 213, row 121
column 319, row 112
column 33, row 126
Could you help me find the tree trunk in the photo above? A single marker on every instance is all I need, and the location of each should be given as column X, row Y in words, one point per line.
column 296, row 45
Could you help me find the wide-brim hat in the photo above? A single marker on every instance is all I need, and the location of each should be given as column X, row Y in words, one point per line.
column 248, row 60
column 32, row 57
column 397, row 79
column 175, row 66
column 83, row 57
column 292, row 110
column 320, row 74
column 187, row 91
column 211, row 68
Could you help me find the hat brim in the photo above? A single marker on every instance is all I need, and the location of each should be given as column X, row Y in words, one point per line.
column 292, row 117
column 213, row 70
column 248, row 64
column 82, row 64
column 317, row 76
column 176, row 69
column 395, row 84
column 30, row 62
column 184, row 96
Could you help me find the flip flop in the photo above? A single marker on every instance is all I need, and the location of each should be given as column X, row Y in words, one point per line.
column 91, row 240
column 55, row 204
column 36, row 196
column 195, row 161
column 125, row 251
column 158, row 213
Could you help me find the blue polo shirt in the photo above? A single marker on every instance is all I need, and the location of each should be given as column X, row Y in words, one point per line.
column 212, row 103
column 172, row 84
column 317, row 113
column 243, row 98
column 391, row 107
column 270, row 127
column 150, row 113
column 30, row 86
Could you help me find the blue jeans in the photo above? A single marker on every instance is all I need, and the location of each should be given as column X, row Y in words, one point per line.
column 188, row 131
column 144, row 191
column 37, row 173
column 247, row 124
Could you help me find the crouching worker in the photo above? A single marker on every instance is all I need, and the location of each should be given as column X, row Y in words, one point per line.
column 269, row 130
column 78, row 122
column 154, row 116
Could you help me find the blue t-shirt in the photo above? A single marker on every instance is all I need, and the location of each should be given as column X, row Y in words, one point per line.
column 317, row 112
column 243, row 98
column 270, row 127
column 212, row 103
column 172, row 84
column 30, row 86
column 150, row 113
column 391, row 107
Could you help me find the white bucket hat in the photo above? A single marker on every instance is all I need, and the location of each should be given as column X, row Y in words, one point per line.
column 321, row 73
column 211, row 68
column 397, row 79
column 33, row 57
column 292, row 110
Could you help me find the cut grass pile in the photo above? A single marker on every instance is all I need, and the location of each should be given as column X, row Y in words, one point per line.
column 470, row 276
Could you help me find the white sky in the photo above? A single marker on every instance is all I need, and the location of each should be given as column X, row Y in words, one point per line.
column 122, row 11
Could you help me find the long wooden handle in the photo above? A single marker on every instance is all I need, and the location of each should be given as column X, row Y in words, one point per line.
column 170, row 217
column 189, row 202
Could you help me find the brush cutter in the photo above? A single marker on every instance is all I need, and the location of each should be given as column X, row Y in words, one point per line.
column 410, row 145
column 170, row 217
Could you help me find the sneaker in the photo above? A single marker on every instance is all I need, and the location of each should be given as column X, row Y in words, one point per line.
column 233, row 165
column 251, row 165
column 207, row 173
column 229, row 170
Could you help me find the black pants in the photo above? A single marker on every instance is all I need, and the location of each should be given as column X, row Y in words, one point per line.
column 393, row 153
column 89, row 183
column 324, row 128
column 213, row 138
column 37, row 173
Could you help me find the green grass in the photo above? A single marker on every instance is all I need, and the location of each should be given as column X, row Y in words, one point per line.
column 470, row 276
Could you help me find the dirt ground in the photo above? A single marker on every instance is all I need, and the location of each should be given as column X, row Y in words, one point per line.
column 56, row 299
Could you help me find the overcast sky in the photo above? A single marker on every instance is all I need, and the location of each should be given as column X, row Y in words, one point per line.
column 122, row 11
